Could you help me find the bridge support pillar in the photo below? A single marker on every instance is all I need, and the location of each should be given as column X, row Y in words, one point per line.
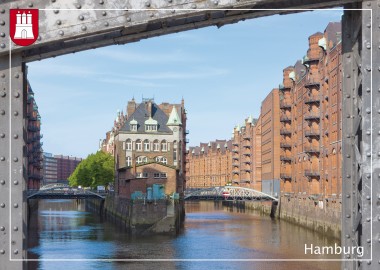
column 361, row 135
column 13, row 210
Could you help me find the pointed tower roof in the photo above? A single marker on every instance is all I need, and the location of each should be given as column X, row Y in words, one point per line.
column 250, row 119
column 174, row 119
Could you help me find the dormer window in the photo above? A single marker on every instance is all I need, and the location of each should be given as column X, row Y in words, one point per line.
column 133, row 125
column 150, row 125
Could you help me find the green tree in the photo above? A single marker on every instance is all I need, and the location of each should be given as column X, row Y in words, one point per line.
column 96, row 170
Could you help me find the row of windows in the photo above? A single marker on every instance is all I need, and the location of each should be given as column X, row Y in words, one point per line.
column 144, row 159
column 157, row 145
column 155, row 175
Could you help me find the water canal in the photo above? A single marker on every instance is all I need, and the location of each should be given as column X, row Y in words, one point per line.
column 63, row 229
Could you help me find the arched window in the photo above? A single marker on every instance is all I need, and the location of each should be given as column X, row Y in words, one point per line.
column 164, row 146
column 156, row 145
column 129, row 161
column 146, row 145
column 128, row 145
column 141, row 159
column 138, row 145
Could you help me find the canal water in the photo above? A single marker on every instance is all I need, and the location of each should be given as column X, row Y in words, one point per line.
column 62, row 229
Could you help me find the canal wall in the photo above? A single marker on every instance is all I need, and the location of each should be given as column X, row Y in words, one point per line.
column 267, row 208
column 320, row 216
column 141, row 217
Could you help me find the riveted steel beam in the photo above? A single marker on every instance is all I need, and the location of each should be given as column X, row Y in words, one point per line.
column 71, row 26
column 12, row 163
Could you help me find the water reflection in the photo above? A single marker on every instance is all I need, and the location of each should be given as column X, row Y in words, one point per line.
column 63, row 229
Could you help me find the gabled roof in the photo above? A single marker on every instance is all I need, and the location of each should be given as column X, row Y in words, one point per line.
column 141, row 114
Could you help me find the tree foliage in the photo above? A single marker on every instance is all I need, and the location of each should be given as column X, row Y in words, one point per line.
column 96, row 170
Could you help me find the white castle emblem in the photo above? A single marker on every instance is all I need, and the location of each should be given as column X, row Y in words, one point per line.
column 24, row 26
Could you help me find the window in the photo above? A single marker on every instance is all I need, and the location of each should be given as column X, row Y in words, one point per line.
column 133, row 127
column 138, row 145
column 150, row 128
column 156, row 145
column 129, row 161
column 139, row 175
column 175, row 155
column 156, row 175
column 146, row 145
column 163, row 175
column 128, row 145
column 141, row 159
column 145, row 175
column 164, row 146
column 161, row 159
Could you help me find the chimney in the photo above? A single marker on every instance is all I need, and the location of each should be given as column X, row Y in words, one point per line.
column 131, row 107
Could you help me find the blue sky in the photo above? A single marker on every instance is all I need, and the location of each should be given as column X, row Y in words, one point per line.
column 223, row 75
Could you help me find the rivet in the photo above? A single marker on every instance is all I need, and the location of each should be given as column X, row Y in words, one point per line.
column 15, row 159
column 84, row 28
column 81, row 17
column 348, row 156
column 368, row 197
column 2, row 22
column 61, row 32
column 152, row 14
column 368, row 132
column 104, row 13
column 2, row 251
column 2, row 75
column 368, row 154
column 30, row 5
column 101, row 2
column 368, row 240
column 15, row 228
column 169, row 1
column 378, row 132
column 58, row 22
column 348, row 196
column 348, row 216
column 369, row 262
column 2, row 34
column 216, row 2
column 2, row 135
column 147, row 4
column 2, row 158
column 53, row 1
column 106, row 24
column 17, row 94
column 2, row 228
column 15, row 136
column 348, row 56
column 368, row 68
column 15, row 113
column 128, row 19
column 173, row 11
column 2, row 182
column 56, row 11
column 369, row 4
column 2, row 45
column 15, row 182
column 368, row 219
column 193, row 6
column 3, row 94
column 2, row 10
column 2, row 112
column 15, row 205
column 78, row 6
column 15, row 251
column 368, row 25
column 17, row 75
column 348, row 256
column 2, row 205
column 368, row 46
column 347, row 236
column 348, row 96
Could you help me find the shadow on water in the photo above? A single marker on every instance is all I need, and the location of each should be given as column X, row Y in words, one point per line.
column 63, row 229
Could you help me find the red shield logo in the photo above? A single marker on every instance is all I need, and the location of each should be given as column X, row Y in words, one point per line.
column 23, row 26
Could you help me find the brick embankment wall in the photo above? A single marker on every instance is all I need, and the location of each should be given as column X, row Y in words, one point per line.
column 311, row 214
column 140, row 217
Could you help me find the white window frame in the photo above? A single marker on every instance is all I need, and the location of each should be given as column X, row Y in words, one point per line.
column 156, row 175
column 156, row 145
column 138, row 145
column 146, row 145
column 129, row 161
column 133, row 127
column 128, row 145
column 164, row 146
column 163, row 175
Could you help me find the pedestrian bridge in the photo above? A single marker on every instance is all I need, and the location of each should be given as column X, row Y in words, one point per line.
column 228, row 193
column 61, row 191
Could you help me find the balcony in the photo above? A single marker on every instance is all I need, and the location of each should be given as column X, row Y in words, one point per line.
column 312, row 99
column 312, row 84
column 245, row 181
column 285, row 176
column 285, row 118
column 247, row 170
column 187, row 141
column 187, row 131
column 235, row 151
column 236, row 164
column 235, row 158
column 312, row 150
column 307, row 60
column 285, row 131
column 246, row 137
column 313, row 116
column 286, row 159
column 285, row 145
column 235, row 143
column 312, row 173
column 247, row 162
column 312, row 133
column 247, row 146
column 235, row 172
column 247, row 154
column 285, row 104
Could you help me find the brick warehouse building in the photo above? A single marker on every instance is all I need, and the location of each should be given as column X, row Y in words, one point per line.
column 58, row 168
column 149, row 148
column 295, row 144
column 33, row 141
